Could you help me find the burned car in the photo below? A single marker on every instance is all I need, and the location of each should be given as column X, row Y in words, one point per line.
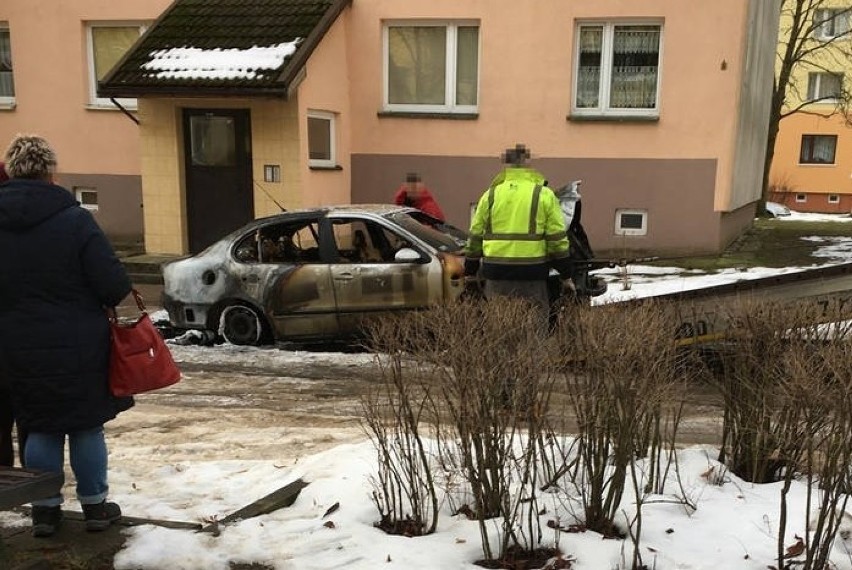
column 315, row 274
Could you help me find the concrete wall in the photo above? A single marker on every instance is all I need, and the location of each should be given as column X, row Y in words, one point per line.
column 753, row 119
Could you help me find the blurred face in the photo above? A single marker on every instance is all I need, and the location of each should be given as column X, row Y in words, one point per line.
column 413, row 189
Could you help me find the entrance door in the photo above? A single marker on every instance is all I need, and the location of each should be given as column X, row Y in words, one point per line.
column 219, row 197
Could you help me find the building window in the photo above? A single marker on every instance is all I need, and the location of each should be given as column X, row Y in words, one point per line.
column 88, row 197
column 107, row 44
column 818, row 149
column 321, row 140
column 830, row 23
column 834, row 198
column 617, row 69
column 824, row 86
column 631, row 222
column 801, row 198
column 431, row 67
column 7, row 81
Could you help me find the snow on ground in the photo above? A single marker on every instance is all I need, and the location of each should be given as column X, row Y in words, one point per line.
column 734, row 526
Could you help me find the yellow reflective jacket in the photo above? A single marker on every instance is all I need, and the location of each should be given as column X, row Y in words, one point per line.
column 518, row 231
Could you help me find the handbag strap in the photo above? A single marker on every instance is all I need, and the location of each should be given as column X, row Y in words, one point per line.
column 113, row 317
column 138, row 296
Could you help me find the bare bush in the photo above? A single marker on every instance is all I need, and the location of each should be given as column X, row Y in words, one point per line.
column 624, row 382
column 404, row 487
column 757, row 433
column 816, row 393
column 485, row 384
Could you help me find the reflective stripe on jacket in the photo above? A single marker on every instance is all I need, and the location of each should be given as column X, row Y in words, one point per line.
column 518, row 222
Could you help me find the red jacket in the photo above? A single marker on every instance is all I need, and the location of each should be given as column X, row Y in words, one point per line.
column 425, row 201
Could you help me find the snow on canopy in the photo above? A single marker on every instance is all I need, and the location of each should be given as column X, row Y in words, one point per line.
column 219, row 63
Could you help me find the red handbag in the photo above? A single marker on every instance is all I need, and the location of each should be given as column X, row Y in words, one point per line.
column 139, row 360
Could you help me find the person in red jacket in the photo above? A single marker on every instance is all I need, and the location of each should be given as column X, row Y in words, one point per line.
column 415, row 194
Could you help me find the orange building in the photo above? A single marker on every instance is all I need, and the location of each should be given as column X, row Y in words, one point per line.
column 812, row 168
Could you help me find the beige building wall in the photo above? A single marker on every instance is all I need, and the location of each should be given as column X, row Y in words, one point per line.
column 274, row 141
column 326, row 88
column 680, row 167
column 525, row 84
column 279, row 137
column 97, row 147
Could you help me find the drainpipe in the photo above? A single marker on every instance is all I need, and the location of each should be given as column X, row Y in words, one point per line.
column 123, row 110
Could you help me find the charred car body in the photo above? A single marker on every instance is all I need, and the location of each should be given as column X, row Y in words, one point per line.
column 318, row 274
column 315, row 274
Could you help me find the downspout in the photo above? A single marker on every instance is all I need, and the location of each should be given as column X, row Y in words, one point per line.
column 123, row 110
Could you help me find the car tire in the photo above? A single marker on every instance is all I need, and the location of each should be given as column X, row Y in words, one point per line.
column 241, row 325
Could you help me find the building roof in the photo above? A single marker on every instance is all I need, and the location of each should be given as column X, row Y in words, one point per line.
column 223, row 47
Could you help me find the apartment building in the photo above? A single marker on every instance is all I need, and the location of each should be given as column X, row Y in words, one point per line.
column 258, row 106
column 812, row 166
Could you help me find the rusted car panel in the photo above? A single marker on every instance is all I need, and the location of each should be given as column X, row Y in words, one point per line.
column 315, row 274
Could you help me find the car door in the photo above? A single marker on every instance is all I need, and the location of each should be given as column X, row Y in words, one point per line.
column 292, row 279
column 368, row 281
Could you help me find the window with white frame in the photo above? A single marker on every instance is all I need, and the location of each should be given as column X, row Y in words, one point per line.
column 631, row 222
column 107, row 44
column 88, row 197
column 823, row 86
column 801, row 198
column 617, row 69
column 834, row 198
column 7, row 81
column 431, row 67
column 830, row 23
column 322, row 152
column 818, row 149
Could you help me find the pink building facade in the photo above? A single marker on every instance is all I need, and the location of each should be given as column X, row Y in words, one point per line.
column 51, row 54
column 664, row 123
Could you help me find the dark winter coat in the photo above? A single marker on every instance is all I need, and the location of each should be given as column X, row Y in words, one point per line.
column 58, row 274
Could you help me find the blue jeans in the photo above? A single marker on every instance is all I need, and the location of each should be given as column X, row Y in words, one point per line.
column 46, row 451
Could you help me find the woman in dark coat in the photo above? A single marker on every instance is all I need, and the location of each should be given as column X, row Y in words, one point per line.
column 59, row 274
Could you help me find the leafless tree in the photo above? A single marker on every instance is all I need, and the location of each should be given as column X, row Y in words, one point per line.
column 814, row 37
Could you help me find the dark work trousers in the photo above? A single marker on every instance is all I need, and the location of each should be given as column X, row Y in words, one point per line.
column 535, row 292
column 7, row 421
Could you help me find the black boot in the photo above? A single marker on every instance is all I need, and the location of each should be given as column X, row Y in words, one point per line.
column 46, row 521
column 100, row 515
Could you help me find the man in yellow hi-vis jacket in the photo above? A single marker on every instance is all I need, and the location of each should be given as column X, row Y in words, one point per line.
column 518, row 234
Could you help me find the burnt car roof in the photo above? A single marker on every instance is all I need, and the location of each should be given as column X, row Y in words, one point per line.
column 374, row 209
column 308, row 213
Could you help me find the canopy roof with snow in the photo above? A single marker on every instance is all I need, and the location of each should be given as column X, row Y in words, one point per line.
column 223, row 47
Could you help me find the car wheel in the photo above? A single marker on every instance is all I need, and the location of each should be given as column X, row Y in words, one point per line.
column 241, row 325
